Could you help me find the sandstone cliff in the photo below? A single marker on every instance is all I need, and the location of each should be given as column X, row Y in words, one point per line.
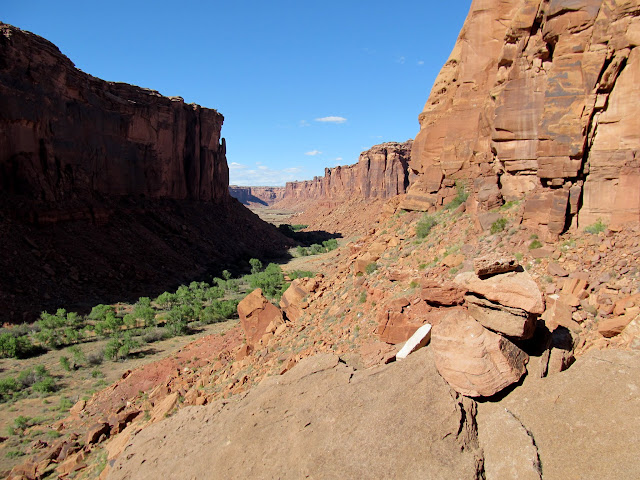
column 257, row 195
column 381, row 172
column 537, row 100
column 107, row 191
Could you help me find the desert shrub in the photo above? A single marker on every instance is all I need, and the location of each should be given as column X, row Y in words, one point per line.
column 330, row 244
column 226, row 274
column 460, row 198
column 370, row 268
column 499, row 225
column 65, row 363
column 60, row 329
column 302, row 251
column 316, row 249
column 95, row 358
column 596, row 228
column 178, row 320
column 9, row 386
column 154, row 334
column 298, row 227
column 424, row 226
column 99, row 312
column 270, row 281
column 300, row 274
column 110, row 325
column 38, row 379
column 363, row 297
column 77, row 355
column 214, row 293
column 166, row 300
column 535, row 244
column 256, row 266
column 142, row 310
column 12, row 346
column 119, row 346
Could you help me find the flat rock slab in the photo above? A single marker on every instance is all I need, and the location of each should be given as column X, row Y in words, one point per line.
column 494, row 264
column 320, row 420
column 584, row 421
column 509, row 321
column 513, row 289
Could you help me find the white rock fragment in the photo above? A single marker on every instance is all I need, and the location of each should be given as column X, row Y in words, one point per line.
column 417, row 340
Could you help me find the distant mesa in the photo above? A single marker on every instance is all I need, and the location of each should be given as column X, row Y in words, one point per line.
column 257, row 196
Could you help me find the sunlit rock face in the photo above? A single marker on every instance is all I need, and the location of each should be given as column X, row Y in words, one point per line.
column 537, row 100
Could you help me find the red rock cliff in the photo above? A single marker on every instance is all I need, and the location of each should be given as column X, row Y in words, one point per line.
column 108, row 192
column 538, row 100
column 381, row 172
column 65, row 133
column 257, row 195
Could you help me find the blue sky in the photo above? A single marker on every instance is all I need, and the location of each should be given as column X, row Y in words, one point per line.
column 303, row 85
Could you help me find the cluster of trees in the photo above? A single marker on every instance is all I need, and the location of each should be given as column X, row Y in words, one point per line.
column 316, row 248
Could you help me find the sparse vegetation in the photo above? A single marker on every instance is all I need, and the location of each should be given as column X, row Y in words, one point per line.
column 460, row 197
column 596, row 227
column 499, row 225
column 370, row 268
column 535, row 244
column 424, row 226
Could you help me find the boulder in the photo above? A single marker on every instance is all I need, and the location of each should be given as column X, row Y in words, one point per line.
column 613, row 326
column 509, row 321
column 395, row 327
column 473, row 360
column 494, row 263
column 442, row 293
column 513, row 289
column 292, row 300
column 256, row 314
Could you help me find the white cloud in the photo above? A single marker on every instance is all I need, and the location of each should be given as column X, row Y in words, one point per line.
column 313, row 153
column 262, row 176
column 420, row 62
column 331, row 119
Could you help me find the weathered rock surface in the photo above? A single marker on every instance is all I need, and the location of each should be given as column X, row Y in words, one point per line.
column 322, row 420
column 590, row 408
column 473, row 360
column 493, row 264
column 256, row 315
column 537, row 99
column 257, row 195
column 381, row 172
column 108, row 191
column 509, row 321
column 513, row 289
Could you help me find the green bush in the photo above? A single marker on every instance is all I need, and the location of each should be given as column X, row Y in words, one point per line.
column 363, row 297
column 270, row 281
column 256, row 266
column 166, row 300
column 302, row 251
column 8, row 386
column 60, row 329
column 460, row 197
column 535, row 244
column 298, row 227
column 65, row 364
column 596, row 228
column 370, row 268
column 330, row 244
column 110, row 325
column 12, row 346
column 300, row 274
column 424, row 226
column 499, row 225
column 120, row 346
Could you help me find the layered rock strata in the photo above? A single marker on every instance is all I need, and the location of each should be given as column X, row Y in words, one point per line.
column 381, row 172
column 257, row 195
column 108, row 191
column 537, row 100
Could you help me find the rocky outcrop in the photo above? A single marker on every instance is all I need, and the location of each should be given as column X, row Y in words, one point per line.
column 67, row 134
column 381, row 172
column 321, row 419
column 108, row 191
column 257, row 195
column 258, row 316
column 537, row 100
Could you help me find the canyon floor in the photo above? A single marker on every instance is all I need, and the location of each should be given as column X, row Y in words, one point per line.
column 325, row 385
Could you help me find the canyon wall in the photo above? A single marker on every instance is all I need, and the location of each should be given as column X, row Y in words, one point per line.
column 107, row 191
column 65, row 133
column 381, row 172
column 537, row 100
column 257, row 195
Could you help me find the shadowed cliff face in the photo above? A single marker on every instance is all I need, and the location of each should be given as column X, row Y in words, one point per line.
column 381, row 172
column 537, row 100
column 66, row 134
column 107, row 191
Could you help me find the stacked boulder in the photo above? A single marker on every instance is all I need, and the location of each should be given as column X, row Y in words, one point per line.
column 474, row 344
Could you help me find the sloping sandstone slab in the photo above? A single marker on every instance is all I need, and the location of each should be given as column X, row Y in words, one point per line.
column 320, row 420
